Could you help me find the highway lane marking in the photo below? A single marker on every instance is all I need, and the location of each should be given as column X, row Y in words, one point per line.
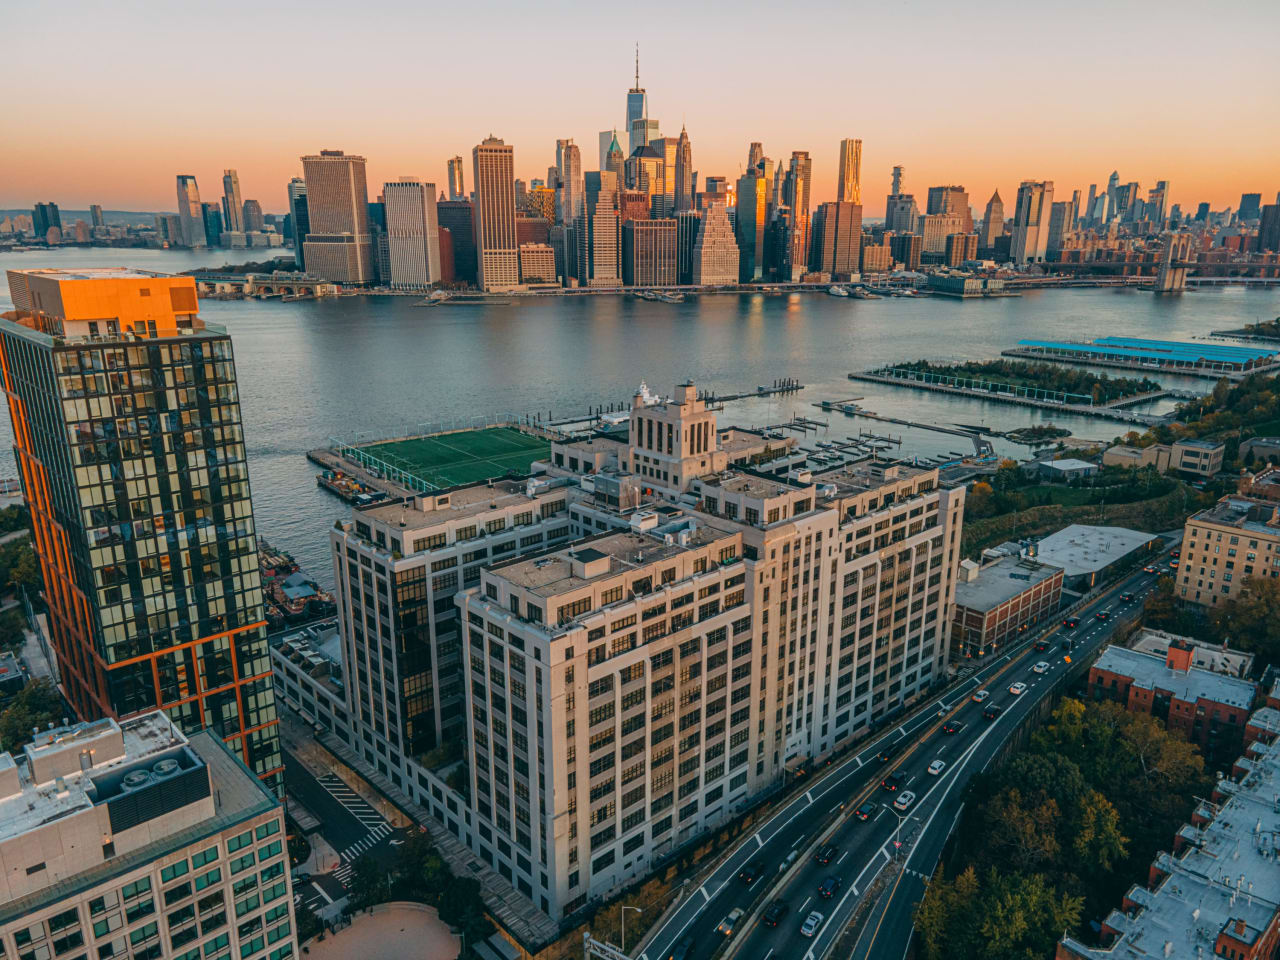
column 799, row 840
column 808, row 795
column 902, row 731
column 805, row 904
column 759, row 842
column 320, row 890
column 879, row 815
column 703, row 890
column 842, row 856
column 769, row 954
column 858, row 760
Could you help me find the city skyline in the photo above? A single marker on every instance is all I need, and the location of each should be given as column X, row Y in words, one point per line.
column 1072, row 140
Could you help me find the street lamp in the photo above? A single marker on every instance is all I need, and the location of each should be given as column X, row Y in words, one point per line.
column 897, row 831
column 624, row 924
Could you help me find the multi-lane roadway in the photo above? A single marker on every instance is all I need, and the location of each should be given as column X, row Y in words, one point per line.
column 780, row 861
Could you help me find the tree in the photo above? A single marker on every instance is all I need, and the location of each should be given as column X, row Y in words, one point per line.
column 1022, row 834
column 38, row 705
column 369, row 883
column 1251, row 619
column 1099, row 846
column 309, row 924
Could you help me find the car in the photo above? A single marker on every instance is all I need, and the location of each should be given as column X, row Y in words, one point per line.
column 826, row 854
column 1176, row 554
column 980, row 695
column 774, row 912
column 1017, row 689
column 1071, row 622
column 811, row 924
column 892, row 782
column 1103, row 615
column 1068, row 643
column 887, row 752
column 953, row 726
column 829, row 887
column 1042, row 646
column 904, row 801
column 937, row 767
column 728, row 924
column 1127, row 598
column 993, row 710
column 1149, row 569
column 1173, row 564
column 865, row 811
column 1041, row 667
column 752, row 872
column 682, row 949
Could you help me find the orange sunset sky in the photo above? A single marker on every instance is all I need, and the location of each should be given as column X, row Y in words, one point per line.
column 124, row 96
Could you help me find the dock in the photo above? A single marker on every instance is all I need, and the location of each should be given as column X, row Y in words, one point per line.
column 1111, row 412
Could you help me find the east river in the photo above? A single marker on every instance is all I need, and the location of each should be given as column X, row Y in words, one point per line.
column 377, row 366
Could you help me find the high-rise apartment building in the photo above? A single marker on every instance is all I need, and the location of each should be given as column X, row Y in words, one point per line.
column 497, row 248
column 413, row 241
column 1250, row 207
column 339, row 246
column 796, row 196
column 96, row 218
column 690, row 656
column 254, row 221
column 960, row 247
column 1031, row 221
column 44, row 217
column 212, row 216
column 992, row 223
column 598, row 232
column 458, row 217
column 1060, row 217
column 457, row 190
column 682, row 172
column 649, row 253
column 1224, row 546
column 837, row 239
column 132, row 840
column 190, row 213
column 849, row 185
column 936, row 227
column 301, row 219
column 901, row 215
column 1269, row 228
column 715, row 254
column 131, row 453
column 569, row 177
column 232, row 205
column 688, row 224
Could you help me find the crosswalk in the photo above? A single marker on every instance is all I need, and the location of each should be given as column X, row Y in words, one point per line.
column 363, row 811
column 360, row 846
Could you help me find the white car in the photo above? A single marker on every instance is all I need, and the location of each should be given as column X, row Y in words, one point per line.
column 728, row 924
column 1018, row 688
column 980, row 695
column 905, row 799
column 811, row 924
column 1041, row 667
column 937, row 767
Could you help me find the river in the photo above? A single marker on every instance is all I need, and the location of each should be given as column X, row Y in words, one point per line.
column 377, row 366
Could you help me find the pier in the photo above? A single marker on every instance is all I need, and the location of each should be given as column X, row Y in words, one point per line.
column 1083, row 409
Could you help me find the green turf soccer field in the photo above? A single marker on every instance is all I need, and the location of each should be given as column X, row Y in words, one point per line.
column 463, row 457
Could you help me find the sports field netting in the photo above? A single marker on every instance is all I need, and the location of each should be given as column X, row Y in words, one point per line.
column 463, row 457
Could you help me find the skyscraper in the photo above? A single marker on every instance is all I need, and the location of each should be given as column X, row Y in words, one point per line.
column 954, row 200
column 837, row 239
column 750, row 220
column 497, row 247
column 637, row 110
column 715, row 254
column 1158, row 203
column 153, row 589
column 901, row 215
column 1031, row 221
column 649, row 252
column 1086, row 215
column 799, row 175
column 190, row 213
column 95, row 215
column 1059, row 227
column 569, row 174
column 755, row 153
column 212, row 223
column 683, row 172
column 301, row 219
column 992, row 223
column 232, row 205
column 1113, row 185
column 1250, row 206
column 614, row 161
column 597, row 232
column 456, row 187
column 339, row 246
column 412, row 233
column 688, row 223
column 607, row 139
column 849, row 186
column 253, row 219
column 43, row 217
column 458, row 217
column 896, row 187
column 1269, row 228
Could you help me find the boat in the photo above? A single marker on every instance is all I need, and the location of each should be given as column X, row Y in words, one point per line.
column 289, row 596
column 671, row 297
column 837, row 291
column 349, row 488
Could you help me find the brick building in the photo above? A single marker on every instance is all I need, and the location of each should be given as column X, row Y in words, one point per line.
column 994, row 603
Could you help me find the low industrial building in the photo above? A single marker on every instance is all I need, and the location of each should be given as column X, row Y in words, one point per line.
column 1216, row 657
column 1068, row 468
column 1216, row 893
column 1089, row 554
column 1208, row 708
column 1223, row 546
column 1201, row 458
column 997, row 601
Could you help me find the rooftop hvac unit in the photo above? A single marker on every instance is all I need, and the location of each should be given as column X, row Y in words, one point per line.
column 135, row 779
column 165, row 768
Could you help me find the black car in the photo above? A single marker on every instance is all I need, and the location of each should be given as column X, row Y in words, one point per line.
column 953, row 726
column 829, row 887
column 774, row 912
column 887, row 752
column 1071, row 622
column 892, row 782
column 682, row 950
column 865, row 811
column 1103, row 615
column 1126, row 598
column 752, row 872
column 993, row 711
column 826, row 854
column 1042, row 646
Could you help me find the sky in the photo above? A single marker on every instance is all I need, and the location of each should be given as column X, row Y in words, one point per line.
column 127, row 95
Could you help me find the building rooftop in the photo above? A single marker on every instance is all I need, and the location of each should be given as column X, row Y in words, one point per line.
column 454, row 504
column 748, row 485
column 1243, row 513
column 1070, row 463
column 1161, row 351
column 1002, row 581
column 1206, row 656
column 1149, row 672
column 91, row 273
column 866, row 475
column 1224, row 881
column 1080, row 548
column 1201, row 444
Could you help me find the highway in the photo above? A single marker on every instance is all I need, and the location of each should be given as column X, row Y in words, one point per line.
column 863, row 849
